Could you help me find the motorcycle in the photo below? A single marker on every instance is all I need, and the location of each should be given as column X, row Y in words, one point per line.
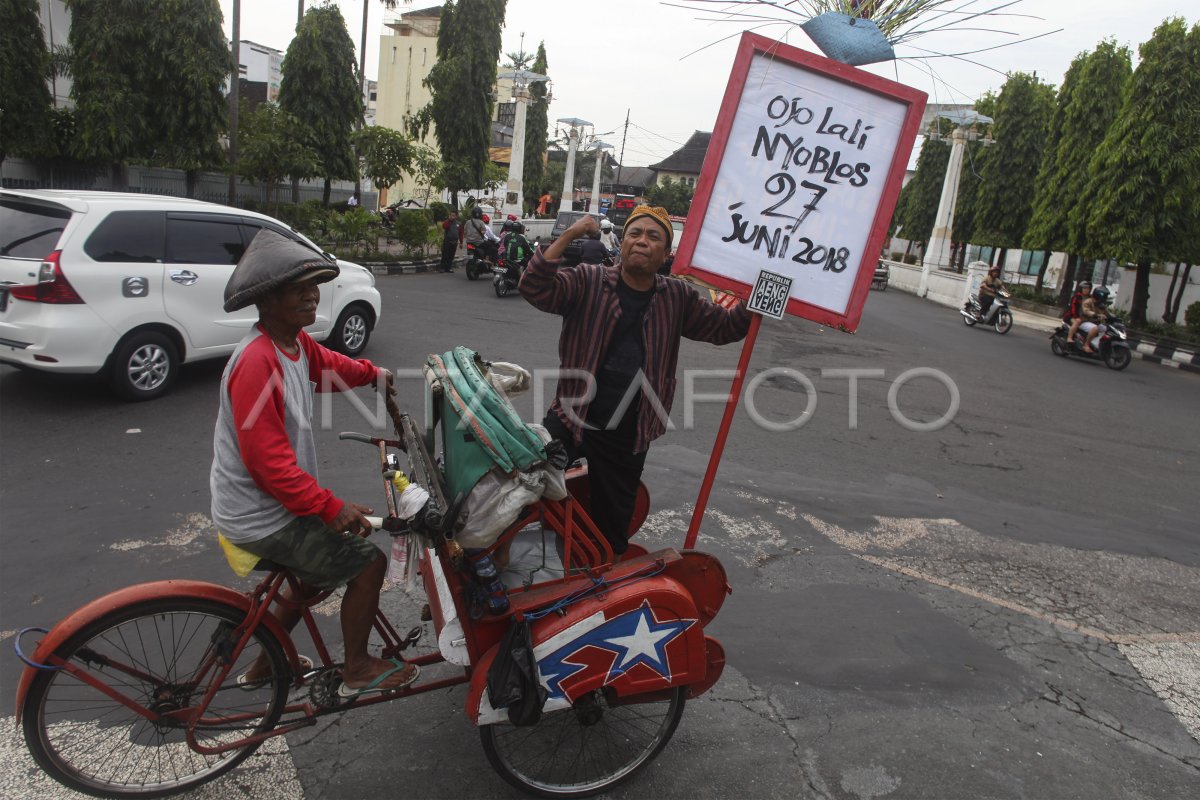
column 479, row 261
column 505, row 276
column 1113, row 348
column 998, row 315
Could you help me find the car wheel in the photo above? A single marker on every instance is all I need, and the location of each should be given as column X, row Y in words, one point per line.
column 144, row 366
column 352, row 331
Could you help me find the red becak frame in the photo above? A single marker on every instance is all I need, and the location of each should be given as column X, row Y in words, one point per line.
column 752, row 44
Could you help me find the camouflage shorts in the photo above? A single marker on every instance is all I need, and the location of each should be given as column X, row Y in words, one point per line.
column 314, row 553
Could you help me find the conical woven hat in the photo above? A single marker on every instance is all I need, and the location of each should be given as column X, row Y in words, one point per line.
column 270, row 261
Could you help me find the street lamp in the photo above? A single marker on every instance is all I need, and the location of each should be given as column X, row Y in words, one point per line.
column 522, row 79
column 937, row 255
column 576, row 126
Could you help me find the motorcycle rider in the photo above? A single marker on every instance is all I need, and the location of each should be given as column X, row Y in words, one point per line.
column 1094, row 316
column 988, row 289
column 480, row 235
column 1073, row 315
column 593, row 250
column 608, row 237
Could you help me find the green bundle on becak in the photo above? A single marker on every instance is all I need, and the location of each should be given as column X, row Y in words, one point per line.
column 492, row 458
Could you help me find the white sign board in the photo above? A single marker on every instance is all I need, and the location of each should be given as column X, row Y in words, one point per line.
column 801, row 179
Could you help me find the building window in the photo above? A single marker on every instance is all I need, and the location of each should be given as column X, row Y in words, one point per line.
column 393, row 55
column 506, row 114
column 1032, row 261
column 424, row 55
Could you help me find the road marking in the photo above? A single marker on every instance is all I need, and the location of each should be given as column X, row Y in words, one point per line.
column 269, row 774
column 1173, row 672
column 192, row 527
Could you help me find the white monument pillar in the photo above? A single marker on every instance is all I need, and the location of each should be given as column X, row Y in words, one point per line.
column 513, row 196
column 566, row 202
column 937, row 255
column 599, row 147
column 514, row 192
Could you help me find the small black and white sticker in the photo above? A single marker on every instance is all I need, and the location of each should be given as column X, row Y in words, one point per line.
column 770, row 295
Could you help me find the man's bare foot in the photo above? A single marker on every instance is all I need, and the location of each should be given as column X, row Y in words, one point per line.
column 372, row 668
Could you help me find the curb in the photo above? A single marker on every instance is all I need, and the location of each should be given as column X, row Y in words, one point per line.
column 1167, row 355
column 405, row 267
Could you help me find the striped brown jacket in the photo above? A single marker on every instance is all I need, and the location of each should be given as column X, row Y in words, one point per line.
column 585, row 296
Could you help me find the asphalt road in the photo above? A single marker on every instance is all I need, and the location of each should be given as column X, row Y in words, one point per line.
column 1005, row 607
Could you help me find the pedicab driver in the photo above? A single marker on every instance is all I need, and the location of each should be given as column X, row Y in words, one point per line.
column 266, row 499
column 619, row 348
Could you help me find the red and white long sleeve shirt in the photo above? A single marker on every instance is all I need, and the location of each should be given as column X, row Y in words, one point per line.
column 264, row 470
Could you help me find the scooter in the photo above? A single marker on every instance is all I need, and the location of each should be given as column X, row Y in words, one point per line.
column 998, row 315
column 1113, row 347
column 506, row 275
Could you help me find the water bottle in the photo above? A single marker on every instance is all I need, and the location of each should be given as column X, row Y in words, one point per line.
column 485, row 569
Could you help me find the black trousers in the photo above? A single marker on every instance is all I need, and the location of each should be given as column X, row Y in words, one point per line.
column 614, row 472
column 985, row 302
column 448, row 249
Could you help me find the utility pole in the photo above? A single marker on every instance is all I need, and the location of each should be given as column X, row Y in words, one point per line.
column 621, row 163
column 234, row 79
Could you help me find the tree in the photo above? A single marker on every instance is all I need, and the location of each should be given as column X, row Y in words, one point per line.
column 674, row 196
column 461, row 84
column 1145, row 175
column 25, row 65
column 109, row 56
column 1088, row 102
column 537, row 122
column 923, row 192
column 1005, row 202
column 386, row 155
column 189, row 108
column 268, row 149
column 321, row 89
column 147, row 81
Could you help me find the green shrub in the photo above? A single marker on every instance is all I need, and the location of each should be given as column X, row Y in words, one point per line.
column 1191, row 318
column 411, row 228
column 439, row 210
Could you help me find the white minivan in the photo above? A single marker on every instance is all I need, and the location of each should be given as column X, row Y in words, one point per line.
column 132, row 286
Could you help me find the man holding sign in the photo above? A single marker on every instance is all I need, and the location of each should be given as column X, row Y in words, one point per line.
column 619, row 349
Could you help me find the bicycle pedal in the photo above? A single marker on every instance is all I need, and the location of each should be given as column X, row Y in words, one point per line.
column 413, row 636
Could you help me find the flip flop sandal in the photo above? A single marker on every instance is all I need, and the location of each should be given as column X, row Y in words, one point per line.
column 349, row 692
column 245, row 684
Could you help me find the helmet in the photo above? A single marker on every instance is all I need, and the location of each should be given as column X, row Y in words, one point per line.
column 477, row 212
column 513, row 217
column 1100, row 295
column 507, row 226
column 487, row 220
column 1085, row 287
column 518, row 227
column 606, row 224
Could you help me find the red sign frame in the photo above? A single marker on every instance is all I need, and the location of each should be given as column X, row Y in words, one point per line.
column 750, row 45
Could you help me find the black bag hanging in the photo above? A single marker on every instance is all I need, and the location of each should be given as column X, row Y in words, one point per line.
column 512, row 680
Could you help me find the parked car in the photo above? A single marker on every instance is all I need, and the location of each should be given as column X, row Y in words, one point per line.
column 566, row 219
column 131, row 286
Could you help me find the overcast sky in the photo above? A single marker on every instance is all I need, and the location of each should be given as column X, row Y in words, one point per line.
column 606, row 58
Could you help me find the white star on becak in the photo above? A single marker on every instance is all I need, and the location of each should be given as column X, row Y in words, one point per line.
column 643, row 642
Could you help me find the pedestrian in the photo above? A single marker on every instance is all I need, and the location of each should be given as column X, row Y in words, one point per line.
column 544, row 204
column 452, row 237
column 352, row 202
column 266, row 498
column 619, row 348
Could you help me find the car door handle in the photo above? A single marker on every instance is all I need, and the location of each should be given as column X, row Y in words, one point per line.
column 184, row 276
